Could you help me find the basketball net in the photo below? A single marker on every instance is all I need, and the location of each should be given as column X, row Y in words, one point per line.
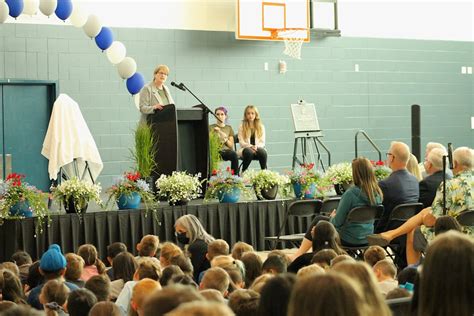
column 292, row 44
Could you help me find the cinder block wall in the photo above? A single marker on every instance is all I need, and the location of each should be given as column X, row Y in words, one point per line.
column 393, row 75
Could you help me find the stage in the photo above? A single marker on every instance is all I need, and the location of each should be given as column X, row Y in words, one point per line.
column 248, row 221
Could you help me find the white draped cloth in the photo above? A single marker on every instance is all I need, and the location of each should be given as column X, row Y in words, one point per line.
column 68, row 138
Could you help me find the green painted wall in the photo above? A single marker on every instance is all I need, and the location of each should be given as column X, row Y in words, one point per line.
column 394, row 74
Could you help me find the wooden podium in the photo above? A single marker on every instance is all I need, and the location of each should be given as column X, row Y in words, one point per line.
column 182, row 137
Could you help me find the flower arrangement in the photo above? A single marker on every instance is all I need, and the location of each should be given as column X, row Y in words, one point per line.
column 14, row 191
column 305, row 176
column 77, row 192
column 380, row 169
column 129, row 183
column 179, row 187
column 338, row 174
column 223, row 181
column 266, row 180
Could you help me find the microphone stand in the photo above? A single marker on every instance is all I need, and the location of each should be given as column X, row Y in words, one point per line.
column 444, row 184
column 201, row 104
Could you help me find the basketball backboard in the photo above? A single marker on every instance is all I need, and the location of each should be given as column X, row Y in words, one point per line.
column 273, row 19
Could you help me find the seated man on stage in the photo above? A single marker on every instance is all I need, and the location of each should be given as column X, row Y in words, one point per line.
column 459, row 198
column 226, row 135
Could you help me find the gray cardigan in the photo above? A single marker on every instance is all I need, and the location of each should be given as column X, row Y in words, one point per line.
column 149, row 96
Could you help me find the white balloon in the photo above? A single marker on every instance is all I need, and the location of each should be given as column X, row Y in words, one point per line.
column 136, row 100
column 47, row 7
column 127, row 67
column 4, row 12
column 31, row 7
column 116, row 52
column 78, row 16
column 93, row 26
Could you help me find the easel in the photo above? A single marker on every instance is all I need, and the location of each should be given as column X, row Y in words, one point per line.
column 63, row 174
column 308, row 140
column 308, row 135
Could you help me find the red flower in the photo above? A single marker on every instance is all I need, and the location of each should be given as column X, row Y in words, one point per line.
column 15, row 179
column 132, row 176
column 379, row 163
column 232, row 171
column 214, row 172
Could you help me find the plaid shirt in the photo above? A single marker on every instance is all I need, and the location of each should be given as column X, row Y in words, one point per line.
column 459, row 198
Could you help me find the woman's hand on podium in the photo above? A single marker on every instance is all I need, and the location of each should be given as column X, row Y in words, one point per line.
column 158, row 107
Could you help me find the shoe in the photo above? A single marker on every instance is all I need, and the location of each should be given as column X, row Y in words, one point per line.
column 377, row 240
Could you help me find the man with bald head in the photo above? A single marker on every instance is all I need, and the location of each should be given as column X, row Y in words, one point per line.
column 401, row 186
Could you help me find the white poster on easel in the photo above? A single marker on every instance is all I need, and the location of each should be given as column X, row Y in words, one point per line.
column 305, row 118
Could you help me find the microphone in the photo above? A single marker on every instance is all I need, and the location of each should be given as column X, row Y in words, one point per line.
column 179, row 86
column 450, row 155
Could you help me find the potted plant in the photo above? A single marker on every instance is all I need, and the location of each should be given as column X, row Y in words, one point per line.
column 143, row 154
column 129, row 190
column 339, row 175
column 75, row 194
column 381, row 170
column 266, row 183
column 18, row 199
column 305, row 180
column 225, row 186
column 179, row 188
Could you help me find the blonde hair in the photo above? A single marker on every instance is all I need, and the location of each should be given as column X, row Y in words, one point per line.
column 240, row 248
column 143, row 289
column 257, row 124
column 148, row 245
column 310, row 270
column 413, row 168
column 169, row 250
column 361, row 273
column 364, row 177
column 164, row 68
column 74, row 266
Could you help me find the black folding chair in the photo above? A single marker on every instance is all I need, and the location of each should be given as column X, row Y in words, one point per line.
column 399, row 215
column 362, row 214
column 329, row 205
column 466, row 218
column 298, row 209
column 400, row 306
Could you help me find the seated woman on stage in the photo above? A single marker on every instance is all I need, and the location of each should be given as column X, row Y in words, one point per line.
column 226, row 135
column 189, row 231
column 365, row 191
column 252, row 138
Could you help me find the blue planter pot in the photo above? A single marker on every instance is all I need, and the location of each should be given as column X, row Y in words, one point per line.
column 229, row 197
column 21, row 209
column 129, row 201
column 309, row 194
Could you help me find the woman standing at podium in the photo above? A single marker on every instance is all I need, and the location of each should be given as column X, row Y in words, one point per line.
column 252, row 138
column 155, row 95
column 226, row 135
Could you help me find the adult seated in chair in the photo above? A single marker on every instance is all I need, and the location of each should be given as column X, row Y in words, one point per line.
column 401, row 186
column 365, row 192
column 429, row 147
column 434, row 168
column 252, row 138
column 459, row 198
column 226, row 136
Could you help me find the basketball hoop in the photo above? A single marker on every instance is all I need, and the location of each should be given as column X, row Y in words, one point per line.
column 293, row 44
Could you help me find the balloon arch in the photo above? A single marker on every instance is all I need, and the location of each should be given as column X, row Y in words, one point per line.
column 103, row 35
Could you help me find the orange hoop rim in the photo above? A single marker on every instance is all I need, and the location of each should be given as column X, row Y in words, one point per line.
column 275, row 32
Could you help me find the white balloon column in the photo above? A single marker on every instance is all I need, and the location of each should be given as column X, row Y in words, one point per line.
column 67, row 10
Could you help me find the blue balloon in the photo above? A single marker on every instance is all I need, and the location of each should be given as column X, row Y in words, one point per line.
column 15, row 6
column 135, row 83
column 64, row 9
column 105, row 38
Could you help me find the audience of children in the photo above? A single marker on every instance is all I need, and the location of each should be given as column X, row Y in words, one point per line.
column 329, row 284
